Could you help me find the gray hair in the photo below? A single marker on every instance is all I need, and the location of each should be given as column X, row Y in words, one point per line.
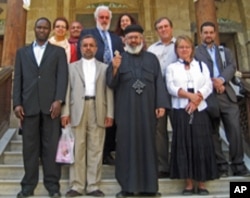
column 102, row 7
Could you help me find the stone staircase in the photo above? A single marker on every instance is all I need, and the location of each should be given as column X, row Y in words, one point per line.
column 11, row 172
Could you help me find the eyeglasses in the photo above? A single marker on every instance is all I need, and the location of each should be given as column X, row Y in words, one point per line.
column 104, row 17
column 184, row 47
column 60, row 26
column 88, row 45
column 133, row 37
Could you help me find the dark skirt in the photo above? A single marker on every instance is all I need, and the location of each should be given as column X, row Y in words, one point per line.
column 192, row 151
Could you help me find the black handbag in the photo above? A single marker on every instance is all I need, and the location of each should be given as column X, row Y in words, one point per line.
column 213, row 107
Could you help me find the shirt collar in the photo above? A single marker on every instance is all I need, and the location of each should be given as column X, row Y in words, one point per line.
column 161, row 43
column 35, row 44
column 206, row 46
column 92, row 60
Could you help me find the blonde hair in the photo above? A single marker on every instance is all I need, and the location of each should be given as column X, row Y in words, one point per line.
column 188, row 40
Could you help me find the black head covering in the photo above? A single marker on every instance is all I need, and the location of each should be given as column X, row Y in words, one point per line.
column 133, row 28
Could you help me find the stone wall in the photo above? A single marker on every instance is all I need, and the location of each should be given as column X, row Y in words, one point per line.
column 233, row 17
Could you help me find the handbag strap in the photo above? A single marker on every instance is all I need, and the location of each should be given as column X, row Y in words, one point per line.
column 200, row 66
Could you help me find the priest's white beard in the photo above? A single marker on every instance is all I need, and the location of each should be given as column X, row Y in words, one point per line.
column 133, row 50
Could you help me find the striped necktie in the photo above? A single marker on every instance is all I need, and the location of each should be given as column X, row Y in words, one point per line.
column 107, row 53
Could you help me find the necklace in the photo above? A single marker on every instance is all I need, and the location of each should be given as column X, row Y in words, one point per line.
column 135, row 64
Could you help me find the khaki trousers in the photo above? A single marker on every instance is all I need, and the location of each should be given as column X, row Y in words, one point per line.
column 85, row 173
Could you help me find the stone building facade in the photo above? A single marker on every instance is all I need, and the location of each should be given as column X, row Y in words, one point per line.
column 233, row 18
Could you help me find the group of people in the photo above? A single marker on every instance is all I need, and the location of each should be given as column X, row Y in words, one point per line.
column 117, row 96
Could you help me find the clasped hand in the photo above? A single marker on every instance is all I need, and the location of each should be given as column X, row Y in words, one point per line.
column 195, row 99
column 190, row 108
column 218, row 85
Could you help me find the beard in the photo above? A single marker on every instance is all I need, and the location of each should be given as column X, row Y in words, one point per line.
column 133, row 50
column 209, row 41
column 99, row 26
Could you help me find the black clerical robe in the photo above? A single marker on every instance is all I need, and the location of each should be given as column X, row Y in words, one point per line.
column 139, row 91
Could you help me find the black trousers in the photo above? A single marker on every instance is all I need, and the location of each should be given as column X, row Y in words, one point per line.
column 40, row 138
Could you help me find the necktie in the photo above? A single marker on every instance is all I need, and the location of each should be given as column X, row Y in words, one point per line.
column 107, row 53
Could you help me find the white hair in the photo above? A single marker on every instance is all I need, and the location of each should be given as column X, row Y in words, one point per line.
column 100, row 8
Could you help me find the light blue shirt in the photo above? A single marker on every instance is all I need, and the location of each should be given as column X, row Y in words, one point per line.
column 165, row 53
column 212, row 53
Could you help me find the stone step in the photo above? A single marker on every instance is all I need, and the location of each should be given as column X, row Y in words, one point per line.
column 10, row 171
column 12, row 157
column 168, row 187
column 17, row 172
column 15, row 145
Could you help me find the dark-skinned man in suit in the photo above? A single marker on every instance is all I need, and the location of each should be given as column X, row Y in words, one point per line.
column 40, row 85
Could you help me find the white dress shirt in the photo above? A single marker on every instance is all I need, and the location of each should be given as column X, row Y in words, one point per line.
column 89, row 72
column 177, row 77
column 39, row 51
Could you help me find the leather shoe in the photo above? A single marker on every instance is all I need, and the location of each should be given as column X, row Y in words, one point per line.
column 149, row 194
column 108, row 160
column 223, row 173
column 124, row 194
column 23, row 194
column 73, row 193
column 54, row 194
column 96, row 193
column 188, row 191
column 202, row 191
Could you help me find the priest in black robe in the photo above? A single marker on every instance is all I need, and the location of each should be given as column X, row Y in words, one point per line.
column 141, row 98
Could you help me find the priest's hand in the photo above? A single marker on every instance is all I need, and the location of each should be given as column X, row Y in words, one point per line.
column 116, row 62
column 159, row 112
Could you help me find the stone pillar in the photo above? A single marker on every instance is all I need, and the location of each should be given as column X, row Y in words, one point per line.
column 15, row 31
column 146, row 9
column 245, row 10
column 205, row 11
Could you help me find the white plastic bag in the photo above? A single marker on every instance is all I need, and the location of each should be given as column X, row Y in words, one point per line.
column 65, row 149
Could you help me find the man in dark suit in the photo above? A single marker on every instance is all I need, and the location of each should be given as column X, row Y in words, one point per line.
column 221, row 75
column 40, row 84
column 107, row 43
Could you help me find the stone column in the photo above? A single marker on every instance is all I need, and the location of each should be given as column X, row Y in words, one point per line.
column 15, row 31
column 146, row 9
column 245, row 10
column 205, row 11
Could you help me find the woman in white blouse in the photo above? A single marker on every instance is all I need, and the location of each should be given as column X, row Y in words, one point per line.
column 192, row 153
